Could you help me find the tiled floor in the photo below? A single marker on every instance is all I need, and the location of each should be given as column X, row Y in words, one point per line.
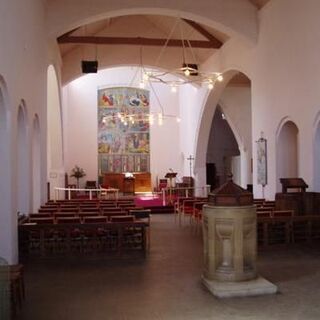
column 166, row 284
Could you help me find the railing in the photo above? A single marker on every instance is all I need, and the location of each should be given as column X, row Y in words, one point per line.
column 102, row 191
column 171, row 193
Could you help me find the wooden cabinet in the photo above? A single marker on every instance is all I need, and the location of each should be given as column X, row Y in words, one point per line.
column 142, row 181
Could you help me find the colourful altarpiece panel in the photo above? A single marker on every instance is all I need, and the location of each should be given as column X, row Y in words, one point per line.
column 123, row 146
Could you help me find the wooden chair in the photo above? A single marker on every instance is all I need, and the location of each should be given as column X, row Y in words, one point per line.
column 143, row 215
column 83, row 215
column 95, row 219
column 68, row 209
column 41, row 220
column 122, row 218
column 282, row 213
column 196, row 216
column 94, row 238
column 40, row 215
column 65, row 214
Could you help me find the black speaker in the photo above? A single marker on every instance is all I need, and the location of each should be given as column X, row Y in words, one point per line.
column 89, row 66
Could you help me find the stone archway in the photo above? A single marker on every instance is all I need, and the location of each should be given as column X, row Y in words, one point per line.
column 235, row 100
column 36, row 164
column 286, row 152
column 316, row 157
column 8, row 235
column 55, row 170
column 23, row 161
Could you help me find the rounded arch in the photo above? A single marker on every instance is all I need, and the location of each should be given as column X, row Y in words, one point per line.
column 23, row 160
column 36, row 163
column 216, row 14
column 286, row 151
column 211, row 101
column 54, row 130
column 8, row 235
column 316, row 153
column 223, row 151
column 232, row 125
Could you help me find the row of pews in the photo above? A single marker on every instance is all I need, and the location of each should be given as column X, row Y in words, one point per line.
column 283, row 226
column 85, row 226
column 273, row 226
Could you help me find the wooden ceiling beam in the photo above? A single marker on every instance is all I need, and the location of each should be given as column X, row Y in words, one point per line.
column 66, row 38
column 215, row 42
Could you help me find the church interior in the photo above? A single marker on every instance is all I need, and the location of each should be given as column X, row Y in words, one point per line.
column 157, row 157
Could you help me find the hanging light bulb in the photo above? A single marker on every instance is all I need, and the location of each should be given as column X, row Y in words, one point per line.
column 119, row 115
column 178, row 119
column 145, row 76
column 151, row 119
column 104, row 120
column 160, row 119
column 210, row 84
column 173, row 88
column 187, row 72
column 141, row 84
column 220, row 77
column 131, row 119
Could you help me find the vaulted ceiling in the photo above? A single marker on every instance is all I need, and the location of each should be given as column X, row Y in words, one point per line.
column 155, row 40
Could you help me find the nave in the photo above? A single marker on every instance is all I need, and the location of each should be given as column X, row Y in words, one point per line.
column 165, row 284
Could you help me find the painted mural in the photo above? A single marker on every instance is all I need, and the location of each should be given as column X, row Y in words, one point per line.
column 123, row 142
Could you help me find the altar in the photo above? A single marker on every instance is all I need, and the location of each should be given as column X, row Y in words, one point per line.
column 142, row 181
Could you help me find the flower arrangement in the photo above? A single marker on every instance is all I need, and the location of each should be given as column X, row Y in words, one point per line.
column 77, row 173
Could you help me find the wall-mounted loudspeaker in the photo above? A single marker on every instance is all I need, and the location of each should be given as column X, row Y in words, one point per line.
column 89, row 66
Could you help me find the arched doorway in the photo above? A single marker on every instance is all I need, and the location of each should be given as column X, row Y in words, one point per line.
column 54, row 133
column 287, row 152
column 223, row 154
column 36, row 164
column 234, row 96
column 316, row 166
column 8, row 235
column 23, row 161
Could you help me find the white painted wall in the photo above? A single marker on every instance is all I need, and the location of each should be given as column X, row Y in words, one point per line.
column 80, row 122
column 23, row 57
column 286, row 80
column 191, row 99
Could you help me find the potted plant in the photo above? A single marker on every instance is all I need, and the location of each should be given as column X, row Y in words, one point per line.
column 77, row 173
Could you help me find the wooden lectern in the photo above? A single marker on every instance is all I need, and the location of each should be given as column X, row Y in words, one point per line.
column 171, row 176
column 293, row 183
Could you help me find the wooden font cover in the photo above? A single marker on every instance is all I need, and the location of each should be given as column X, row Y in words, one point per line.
column 230, row 194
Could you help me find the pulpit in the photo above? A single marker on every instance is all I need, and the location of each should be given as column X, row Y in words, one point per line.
column 171, row 176
column 128, row 185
